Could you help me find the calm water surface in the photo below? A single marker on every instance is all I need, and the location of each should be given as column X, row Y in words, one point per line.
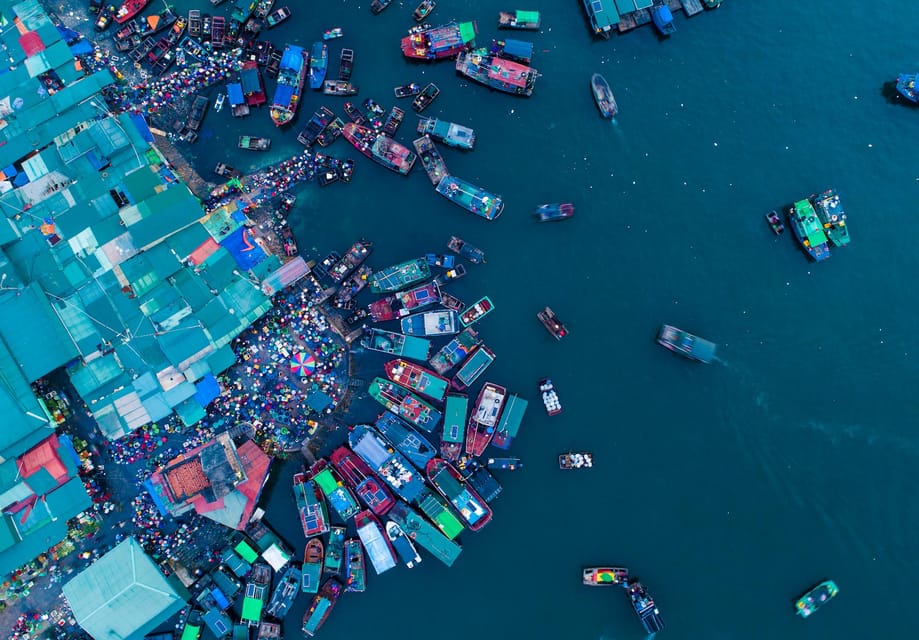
column 729, row 488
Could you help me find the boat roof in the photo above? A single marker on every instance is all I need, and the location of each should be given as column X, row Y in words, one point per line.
column 252, row 608
column 604, row 11
column 813, row 230
column 235, row 94
column 292, row 57
column 455, row 418
column 527, row 16
column 416, row 348
column 326, row 481
column 518, row 48
column 468, row 31
column 508, row 72
column 512, row 417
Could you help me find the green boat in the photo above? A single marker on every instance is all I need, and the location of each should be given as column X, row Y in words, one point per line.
column 511, row 418
column 477, row 311
column 816, row 598
column 400, row 276
column 475, row 365
column 454, row 432
column 833, row 217
column 396, row 343
column 455, row 351
column 334, row 551
column 438, row 511
column 425, row 534
column 404, row 404
column 808, row 230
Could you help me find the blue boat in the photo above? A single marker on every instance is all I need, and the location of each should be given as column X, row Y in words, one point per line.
column 663, row 19
column 387, row 463
column 407, row 441
column 511, row 419
column 319, row 64
column 809, row 230
column 475, row 365
column 907, row 86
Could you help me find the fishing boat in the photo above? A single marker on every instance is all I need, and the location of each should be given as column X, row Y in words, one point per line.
column 331, row 34
column 775, row 222
column 484, row 418
column 381, row 554
column 404, row 404
column 497, row 73
column 662, row 18
column 346, row 65
column 393, row 121
column 321, row 606
column 332, row 132
column 450, row 133
column 603, row 96
column 339, row 88
column 455, row 351
column 316, row 125
column 291, row 75
column 425, row 534
column 218, row 32
column 402, row 544
column 353, row 285
column 376, row 6
column 686, row 344
column 419, row 297
column 425, row 97
column 341, row 498
column 256, row 594
column 431, row 160
column 355, row 566
column 472, row 253
column 319, row 64
column 505, row 464
column 374, row 113
column 519, row 19
column 477, row 311
column 603, row 17
column 644, row 607
column 552, row 323
column 908, row 87
column 387, row 463
column 380, row 148
column 553, row 212
column 396, row 344
column 440, row 260
column 482, row 481
column 431, row 323
column 407, row 90
column 252, row 85
column 418, row 379
column 358, row 475
column 474, row 366
column 277, row 16
column 510, row 49
column 262, row 9
column 400, row 276
column 471, row 507
column 285, row 592
column 815, row 598
column 254, row 143
column 575, row 460
column 354, row 258
column 470, row 197
column 605, row 577
column 423, row 10
column 405, row 439
column 439, row 42
column 453, row 434
column 438, row 510
column 334, row 551
column 808, row 230
column 194, row 23
column 451, row 302
column 509, row 424
column 312, row 565
column 314, row 517
column 833, row 217
column 129, row 9
column 549, row 397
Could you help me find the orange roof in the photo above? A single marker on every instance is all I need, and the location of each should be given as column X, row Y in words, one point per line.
column 203, row 252
column 509, row 72
column 187, row 478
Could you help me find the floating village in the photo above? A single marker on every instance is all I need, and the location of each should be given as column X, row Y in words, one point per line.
column 164, row 343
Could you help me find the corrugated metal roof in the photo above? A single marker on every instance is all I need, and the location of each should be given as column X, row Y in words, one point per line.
column 33, row 333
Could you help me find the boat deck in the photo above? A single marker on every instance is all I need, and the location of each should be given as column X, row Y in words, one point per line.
column 511, row 419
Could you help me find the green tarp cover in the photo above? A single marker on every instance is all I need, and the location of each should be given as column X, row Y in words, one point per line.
column 527, row 16
column 252, row 609
column 246, row 552
column 326, row 481
column 467, row 31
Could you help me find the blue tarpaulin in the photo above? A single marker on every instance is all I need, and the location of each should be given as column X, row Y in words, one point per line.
column 243, row 248
column 518, row 49
column 318, row 401
column 235, row 94
column 283, row 95
column 292, row 57
column 141, row 125
column 206, row 389
column 81, row 48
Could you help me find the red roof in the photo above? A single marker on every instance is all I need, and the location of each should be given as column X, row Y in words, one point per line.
column 43, row 456
column 509, row 72
column 256, row 463
column 31, row 43
column 187, row 479
column 203, row 252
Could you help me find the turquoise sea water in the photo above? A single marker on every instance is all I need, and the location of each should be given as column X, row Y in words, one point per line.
column 731, row 488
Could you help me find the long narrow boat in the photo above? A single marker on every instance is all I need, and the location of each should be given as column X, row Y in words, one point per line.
column 291, row 76
column 605, row 577
column 474, row 366
column 407, row 440
column 432, row 323
column 815, row 598
column 321, row 606
column 472, row 253
column 314, row 518
column 471, row 507
column 425, row 534
column 381, row 554
column 419, row 297
column 603, row 96
column 497, row 73
column 450, row 133
column 511, row 419
column 439, row 42
column 454, row 431
column 319, row 64
column 484, row 418
column 355, row 566
column 313, row 558
column 473, row 199
column 431, row 160
column 686, row 344
column 644, row 607
column 455, row 351
column 477, row 311
column 340, row 496
column 808, row 230
column 400, row 276
column 402, row 544
column 256, row 594
column 438, row 510
column 390, row 465
column 418, row 379
column 833, row 217
column 357, row 474
column 334, row 551
column 380, row 148
column 396, row 344
column 285, row 592
column 355, row 257
column 404, row 404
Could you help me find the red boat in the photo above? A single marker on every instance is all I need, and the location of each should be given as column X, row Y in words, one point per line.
column 129, row 9
column 359, row 476
column 418, row 379
column 484, row 418
column 321, row 606
column 387, row 308
column 470, row 506
column 252, row 85
column 439, row 42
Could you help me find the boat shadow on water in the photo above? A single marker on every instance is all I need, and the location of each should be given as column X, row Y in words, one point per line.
column 892, row 96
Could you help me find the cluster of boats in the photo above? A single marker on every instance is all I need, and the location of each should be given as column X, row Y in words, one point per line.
column 818, row 223
column 641, row 601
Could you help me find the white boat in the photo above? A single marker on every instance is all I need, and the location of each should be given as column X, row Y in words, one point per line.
column 219, row 104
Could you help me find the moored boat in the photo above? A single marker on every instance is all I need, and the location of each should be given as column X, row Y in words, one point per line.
column 355, row 257
column 507, row 464
column 285, row 592
column 256, row 594
column 439, row 42
column 775, row 222
column 321, row 606
column 423, row 10
column 467, row 502
column 455, row 351
column 552, row 323
column 511, row 419
column 425, row 97
column 450, row 133
column 474, row 366
column 393, row 121
column 340, row 497
column 477, row 311
column 815, row 598
column 311, row 571
column 334, row 551
column 417, row 378
column 360, row 476
column 605, row 577
column 291, row 75
column 346, row 65
column 387, row 463
column 603, row 96
column 400, row 276
column 908, row 86
column 519, row 19
column 686, row 344
column 355, row 566
column 407, row 441
column 314, row 518
column 254, row 143
column 319, row 64
column 402, row 544
column 470, row 197
column 662, row 18
column 277, row 16
column 508, row 76
column 482, row 481
column 316, row 125
column 437, row 510
column 407, row 90
column 549, row 397
column 376, row 6
column 431, row 323
column 381, row 554
column 484, row 418
column 396, row 344
column 644, row 607
column 331, row 133
column 454, row 431
column 425, row 534
column 431, row 160
column 833, row 217
column 331, row 34
column 472, row 253
column 129, row 9
column 510, row 49
column 339, row 88
column 379, row 147
column 575, row 460
column 808, row 230
column 419, row 297
column 404, row 404
column 448, row 301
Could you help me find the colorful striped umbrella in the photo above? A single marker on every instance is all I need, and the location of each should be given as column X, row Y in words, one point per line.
column 302, row 364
